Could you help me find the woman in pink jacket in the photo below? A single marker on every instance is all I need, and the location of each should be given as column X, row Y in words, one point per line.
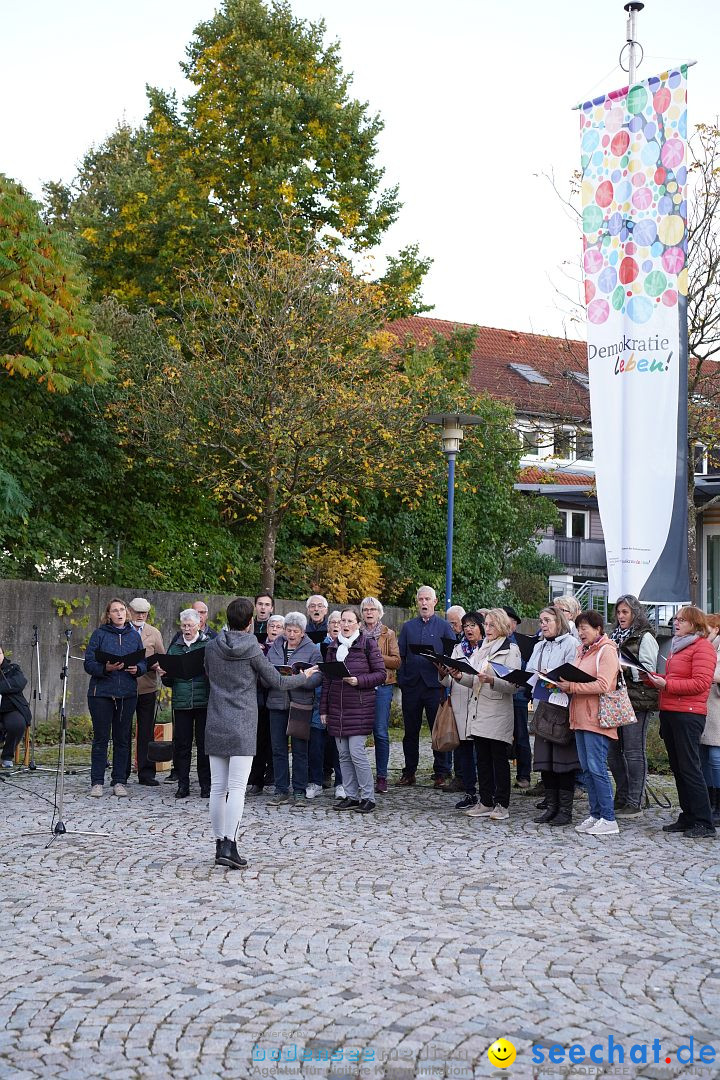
column 684, row 693
column 597, row 655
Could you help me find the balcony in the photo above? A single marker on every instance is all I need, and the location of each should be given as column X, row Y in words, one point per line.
column 577, row 556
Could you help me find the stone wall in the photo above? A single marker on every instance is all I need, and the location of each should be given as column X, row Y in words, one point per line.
column 55, row 608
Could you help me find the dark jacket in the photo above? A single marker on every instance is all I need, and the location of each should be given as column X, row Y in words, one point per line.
column 416, row 669
column 350, row 710
column 12, row 684
column 641, row 695
column 235, row 665
column 188, row 693
column 119, row 640
column 307, row 652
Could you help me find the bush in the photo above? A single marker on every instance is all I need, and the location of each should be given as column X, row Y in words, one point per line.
column 79, row 730
column 656, row 752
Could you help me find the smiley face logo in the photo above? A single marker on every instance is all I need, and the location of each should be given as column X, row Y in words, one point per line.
column 501, row 1054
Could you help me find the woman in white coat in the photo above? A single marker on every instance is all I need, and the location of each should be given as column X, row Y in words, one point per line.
column 489, row 717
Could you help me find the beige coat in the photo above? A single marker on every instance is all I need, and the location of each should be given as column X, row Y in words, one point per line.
column 479, row 708
column 153, row 642
column 711, row 732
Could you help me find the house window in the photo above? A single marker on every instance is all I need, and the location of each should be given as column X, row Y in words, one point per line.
column 575, row 524
column 527, row 372
column 564, row 443
column 530, row 441
column 700, row 459
column 584, row 445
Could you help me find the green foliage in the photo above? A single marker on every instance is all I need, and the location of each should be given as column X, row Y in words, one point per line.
column 270, row 142
column 402, row 282
column 46, row 332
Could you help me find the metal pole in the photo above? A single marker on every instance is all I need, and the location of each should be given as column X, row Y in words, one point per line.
column 632, row 9
column 450, row 521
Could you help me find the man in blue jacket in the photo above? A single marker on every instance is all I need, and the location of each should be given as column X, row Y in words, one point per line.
column 420, row 685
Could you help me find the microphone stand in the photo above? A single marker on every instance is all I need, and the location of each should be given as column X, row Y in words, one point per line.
column 60, row 828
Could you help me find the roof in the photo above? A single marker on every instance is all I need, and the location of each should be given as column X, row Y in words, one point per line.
column 534, row 475
column 495, row 350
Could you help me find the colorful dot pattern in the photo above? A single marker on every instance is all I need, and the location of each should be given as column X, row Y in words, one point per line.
column 634, row 208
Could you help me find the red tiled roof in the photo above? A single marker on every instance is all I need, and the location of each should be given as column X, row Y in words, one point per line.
column 495, row 350
column 534, row 475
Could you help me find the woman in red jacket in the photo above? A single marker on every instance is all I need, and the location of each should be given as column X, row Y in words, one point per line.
column 684, row 692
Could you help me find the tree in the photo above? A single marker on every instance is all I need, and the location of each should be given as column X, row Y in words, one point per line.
column 46, row 331
column 275, row 386
column 269, row 143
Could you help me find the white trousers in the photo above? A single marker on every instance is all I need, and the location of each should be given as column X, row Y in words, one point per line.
column 229, row 777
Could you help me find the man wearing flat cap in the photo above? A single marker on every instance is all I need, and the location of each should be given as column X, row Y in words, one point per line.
column 147, row 691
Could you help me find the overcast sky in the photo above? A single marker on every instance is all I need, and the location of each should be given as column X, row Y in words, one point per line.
column 476, row 96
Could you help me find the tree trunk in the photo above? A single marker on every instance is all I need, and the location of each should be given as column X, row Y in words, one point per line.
column 692, row 538
column 267, row 561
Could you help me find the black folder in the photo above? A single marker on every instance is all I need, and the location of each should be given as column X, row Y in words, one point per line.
column 128, row 660
column 185, row 665
column 568, row 672
column 511, row 675
column 525, row 644
column 335, row 669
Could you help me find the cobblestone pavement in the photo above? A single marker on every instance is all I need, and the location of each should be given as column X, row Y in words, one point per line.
column 411, row 939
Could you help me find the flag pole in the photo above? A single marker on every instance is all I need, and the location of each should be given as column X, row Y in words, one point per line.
column 633, row 9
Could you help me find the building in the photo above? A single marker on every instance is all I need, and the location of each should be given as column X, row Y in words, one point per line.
column 545, row 379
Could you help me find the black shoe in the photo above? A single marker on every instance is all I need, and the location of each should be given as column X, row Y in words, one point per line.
column 253, row 789
column 171, row 778
column 676, row 826
column 466, row 803
column 535, row 790
column 700, row 832
column 229, row 855
column 205, row 793
column 542, row 805
column 218, row 848
column 551, row 809
column 149, row 783
column 565, row 805
column 366, row 807
column 345, row 804
column 183, row 791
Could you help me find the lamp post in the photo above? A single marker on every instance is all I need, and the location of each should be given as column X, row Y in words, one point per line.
column 452, row 425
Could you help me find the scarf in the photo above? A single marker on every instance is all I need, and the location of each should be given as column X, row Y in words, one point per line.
column 377, row 631
column 345, row 643
column 679, row 643
column 620, row 636
column 467, row 648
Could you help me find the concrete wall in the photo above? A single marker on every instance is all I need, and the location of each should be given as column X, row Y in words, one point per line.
column 27, row 603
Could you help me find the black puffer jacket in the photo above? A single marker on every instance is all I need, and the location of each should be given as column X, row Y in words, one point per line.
column 12, row 684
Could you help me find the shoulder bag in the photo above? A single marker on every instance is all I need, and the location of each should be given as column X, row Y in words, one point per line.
column 551, row 722
column 615, row 707
column 444, row 732
column 298, row 725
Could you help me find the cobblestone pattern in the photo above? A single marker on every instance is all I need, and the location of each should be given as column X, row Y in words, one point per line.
column 416, row 935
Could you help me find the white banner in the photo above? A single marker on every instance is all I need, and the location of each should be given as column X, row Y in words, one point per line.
column 635, row 263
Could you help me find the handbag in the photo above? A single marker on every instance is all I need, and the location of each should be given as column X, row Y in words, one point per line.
column 160, row 749
column 552, row 722
column 444, row 732
column 298, row 724
column 615, row 707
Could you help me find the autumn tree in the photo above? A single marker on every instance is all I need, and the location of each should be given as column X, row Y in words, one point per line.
column 270, row 142
column 46, row 331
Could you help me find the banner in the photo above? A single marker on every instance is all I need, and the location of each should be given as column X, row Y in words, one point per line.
column 634, row 177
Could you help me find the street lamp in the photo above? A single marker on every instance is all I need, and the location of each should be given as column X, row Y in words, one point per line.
column 452, row 434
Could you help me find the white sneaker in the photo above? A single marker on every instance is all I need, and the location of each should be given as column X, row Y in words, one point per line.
column 603, row 827
column 96, row 791
column 340, row 792
column 587, row 824
column 312, row 790
column 7, row 763
column 479, row 811
column 500, row 813
column 120, row 790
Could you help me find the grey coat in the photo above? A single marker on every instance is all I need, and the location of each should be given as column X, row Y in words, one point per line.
column 549, row 757
column 234, row 664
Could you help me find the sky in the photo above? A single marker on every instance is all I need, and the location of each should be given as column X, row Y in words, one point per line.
column 476, row 96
